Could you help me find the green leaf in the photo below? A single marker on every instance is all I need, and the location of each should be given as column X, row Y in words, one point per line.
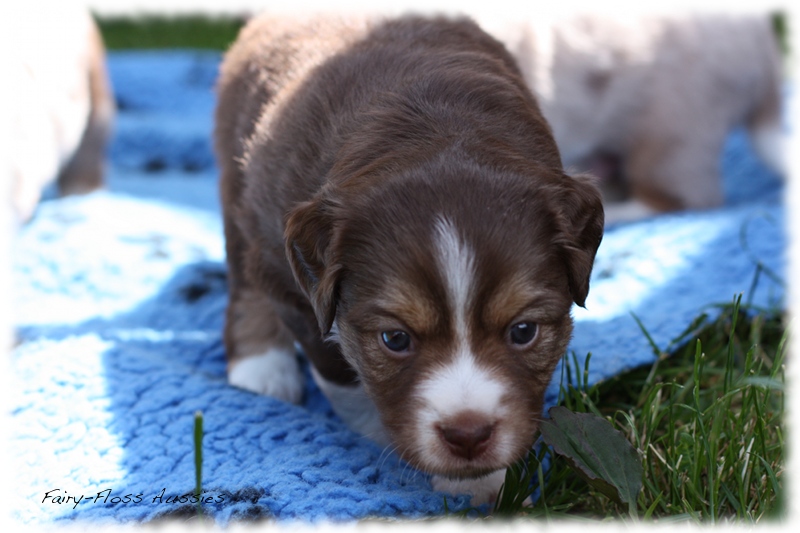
column 198, row 459
column 597, row 451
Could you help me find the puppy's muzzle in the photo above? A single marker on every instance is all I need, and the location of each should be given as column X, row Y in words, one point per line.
column 467, row 435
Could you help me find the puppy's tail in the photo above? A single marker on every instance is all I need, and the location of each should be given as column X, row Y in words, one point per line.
column 765, row 122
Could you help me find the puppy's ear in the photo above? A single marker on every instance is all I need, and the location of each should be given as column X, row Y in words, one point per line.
column 309, row 235
column 580, row 207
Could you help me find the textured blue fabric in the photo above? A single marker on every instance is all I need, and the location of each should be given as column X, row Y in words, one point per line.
column 119, row 302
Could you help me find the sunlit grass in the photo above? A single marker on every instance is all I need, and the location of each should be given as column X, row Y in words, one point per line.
column 156, row 32
column 707, row 422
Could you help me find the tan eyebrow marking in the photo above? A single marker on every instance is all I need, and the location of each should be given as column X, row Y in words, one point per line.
column 410, row 304
column 515, row 294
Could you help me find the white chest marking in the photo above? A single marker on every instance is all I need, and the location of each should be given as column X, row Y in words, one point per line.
column 354, row 407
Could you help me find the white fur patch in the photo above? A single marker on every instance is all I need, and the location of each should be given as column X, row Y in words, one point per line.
column 354, row 407
column 457, row 265
column 462, row 386
column 275, row 373
column 483, row 489
column 455, row 388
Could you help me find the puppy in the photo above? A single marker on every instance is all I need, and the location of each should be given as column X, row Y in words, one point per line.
column 648, row 100
column 394, row 202
column 61, row 107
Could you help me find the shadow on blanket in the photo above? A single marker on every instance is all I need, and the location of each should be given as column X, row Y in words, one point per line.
column 137, row 379
column 119, row 304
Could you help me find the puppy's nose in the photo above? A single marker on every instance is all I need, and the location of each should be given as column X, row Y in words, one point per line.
column 466, row 435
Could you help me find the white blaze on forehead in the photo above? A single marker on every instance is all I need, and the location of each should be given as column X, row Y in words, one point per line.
column 461, row 385
column 456, row 263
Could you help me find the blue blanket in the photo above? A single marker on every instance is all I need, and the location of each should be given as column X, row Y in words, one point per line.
column 119, row 302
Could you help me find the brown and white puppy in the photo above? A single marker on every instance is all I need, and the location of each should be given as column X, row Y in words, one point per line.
column 60, row 103
column 395, row 203
column 651, row 96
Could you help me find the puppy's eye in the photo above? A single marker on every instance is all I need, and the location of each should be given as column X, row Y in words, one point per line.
column 523, row 333
column 396, row 340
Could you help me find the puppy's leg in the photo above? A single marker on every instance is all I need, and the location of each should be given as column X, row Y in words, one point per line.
column 84, row 171
column 261, row 353
column 674, row 171
column 259, row 347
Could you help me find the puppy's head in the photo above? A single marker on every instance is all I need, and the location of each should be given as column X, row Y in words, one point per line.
column 450, row 287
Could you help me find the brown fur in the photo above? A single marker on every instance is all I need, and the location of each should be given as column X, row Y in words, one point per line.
column 340, row 145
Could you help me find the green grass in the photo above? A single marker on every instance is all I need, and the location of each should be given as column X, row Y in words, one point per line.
column 152, row 31
column 707, row 422
column 217, row 33
column 198, row 460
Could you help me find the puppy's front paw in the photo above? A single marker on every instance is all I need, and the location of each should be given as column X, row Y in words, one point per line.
column 275, row 373
column 483, row 489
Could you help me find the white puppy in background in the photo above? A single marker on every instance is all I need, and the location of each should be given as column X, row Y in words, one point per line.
column 59, row 104
column 642, row 97
column 646, row 101
column 55, row 116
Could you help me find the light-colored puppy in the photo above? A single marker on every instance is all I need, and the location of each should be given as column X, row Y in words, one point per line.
column 652, row 96
column 60, row 104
